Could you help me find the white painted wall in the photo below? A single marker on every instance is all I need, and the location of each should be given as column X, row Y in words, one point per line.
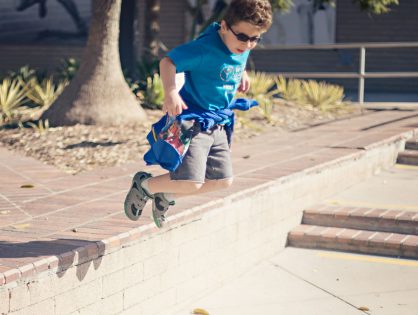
column 293, row 28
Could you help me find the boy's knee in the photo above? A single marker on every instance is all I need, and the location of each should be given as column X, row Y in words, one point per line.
column 224, row 183
column 189, row 187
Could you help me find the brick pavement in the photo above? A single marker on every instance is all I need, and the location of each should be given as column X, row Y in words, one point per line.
column 64, row 219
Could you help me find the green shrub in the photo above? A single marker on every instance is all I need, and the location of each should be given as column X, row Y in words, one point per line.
column 24, row 74
column 283, row 5
column 134, row 85
column 68, row 69
column 153, row 95
column 376, row 6
column 147, row 69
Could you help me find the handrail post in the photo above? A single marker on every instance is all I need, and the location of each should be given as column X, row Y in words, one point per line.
column 362, row 72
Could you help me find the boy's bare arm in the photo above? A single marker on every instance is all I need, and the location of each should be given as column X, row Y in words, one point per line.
column 245, row 83
column 173, row 104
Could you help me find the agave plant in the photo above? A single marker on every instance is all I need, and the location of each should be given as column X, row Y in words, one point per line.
column 41, row 127
column 262, row 89
column 12, row 95
column 24, row 74
column 261, row 84
column 322, row 95
column 312, row 93
column 46, row 92
column 290, row 90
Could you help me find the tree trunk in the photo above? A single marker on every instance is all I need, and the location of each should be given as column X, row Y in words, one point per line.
column 98, row 94
column 126, row 37
column 152, row 30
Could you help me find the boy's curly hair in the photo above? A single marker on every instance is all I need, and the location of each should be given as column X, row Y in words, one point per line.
column 256, row 12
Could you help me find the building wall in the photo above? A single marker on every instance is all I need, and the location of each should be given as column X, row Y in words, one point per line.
column 20, row 41
column 24, row 27
column 355, row 26
column 400, row 25
column 18, row 28
column 172, row 24
column 173, row 30
column 19, row 33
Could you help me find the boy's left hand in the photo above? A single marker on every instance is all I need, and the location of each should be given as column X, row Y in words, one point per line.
column 245, row 83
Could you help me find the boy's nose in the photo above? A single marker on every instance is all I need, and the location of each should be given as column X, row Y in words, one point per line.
column 249, row 44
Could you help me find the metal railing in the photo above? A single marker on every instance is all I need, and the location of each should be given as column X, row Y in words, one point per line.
column 361, row 75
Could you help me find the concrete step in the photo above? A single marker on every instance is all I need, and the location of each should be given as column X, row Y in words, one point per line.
column 392, row 221
column 409, row 157
column 352, row 240
column 411, row 144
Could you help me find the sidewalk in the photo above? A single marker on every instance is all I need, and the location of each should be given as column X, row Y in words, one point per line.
column 395, row 188
column 64, row 221
column 315, row 282
column 303, row 281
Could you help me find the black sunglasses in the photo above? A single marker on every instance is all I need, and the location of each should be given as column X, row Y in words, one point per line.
column 244, row 37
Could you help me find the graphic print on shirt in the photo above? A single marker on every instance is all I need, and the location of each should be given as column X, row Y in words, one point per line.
column 233, row 73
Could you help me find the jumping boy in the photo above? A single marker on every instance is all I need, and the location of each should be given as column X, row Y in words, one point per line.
column 214, row 67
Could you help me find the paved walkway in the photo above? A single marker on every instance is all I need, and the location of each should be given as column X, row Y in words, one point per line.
column 302, row 281
column 395, row 188
column 316, row 282
column 58, row 212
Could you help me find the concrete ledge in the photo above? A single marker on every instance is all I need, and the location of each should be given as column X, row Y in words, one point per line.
column 150, row 271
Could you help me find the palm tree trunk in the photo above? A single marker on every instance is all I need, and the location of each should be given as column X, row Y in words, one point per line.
column 98, row 94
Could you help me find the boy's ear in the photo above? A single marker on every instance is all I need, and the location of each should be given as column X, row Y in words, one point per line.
column 223, row 26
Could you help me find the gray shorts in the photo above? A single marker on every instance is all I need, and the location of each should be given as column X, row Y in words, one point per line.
column 208, row 157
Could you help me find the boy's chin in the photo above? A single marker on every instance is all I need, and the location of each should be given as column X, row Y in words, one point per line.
column 237, row 51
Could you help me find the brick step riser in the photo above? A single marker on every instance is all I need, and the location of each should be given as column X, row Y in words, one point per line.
column 374, row 248
column 363, row 223
column 411, row 145
column 407, row 161
column 407, row 158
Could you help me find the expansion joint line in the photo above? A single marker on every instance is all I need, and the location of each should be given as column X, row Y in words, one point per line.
column 318, row 287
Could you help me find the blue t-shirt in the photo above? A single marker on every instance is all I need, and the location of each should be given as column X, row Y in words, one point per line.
column 212, row 73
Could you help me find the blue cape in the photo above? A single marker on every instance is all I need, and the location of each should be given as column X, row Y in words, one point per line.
column 167, row 156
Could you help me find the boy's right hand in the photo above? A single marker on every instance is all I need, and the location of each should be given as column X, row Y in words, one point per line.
column 173, row 104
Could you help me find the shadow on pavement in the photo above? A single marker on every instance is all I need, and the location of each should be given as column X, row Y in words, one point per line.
column 69, row 252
